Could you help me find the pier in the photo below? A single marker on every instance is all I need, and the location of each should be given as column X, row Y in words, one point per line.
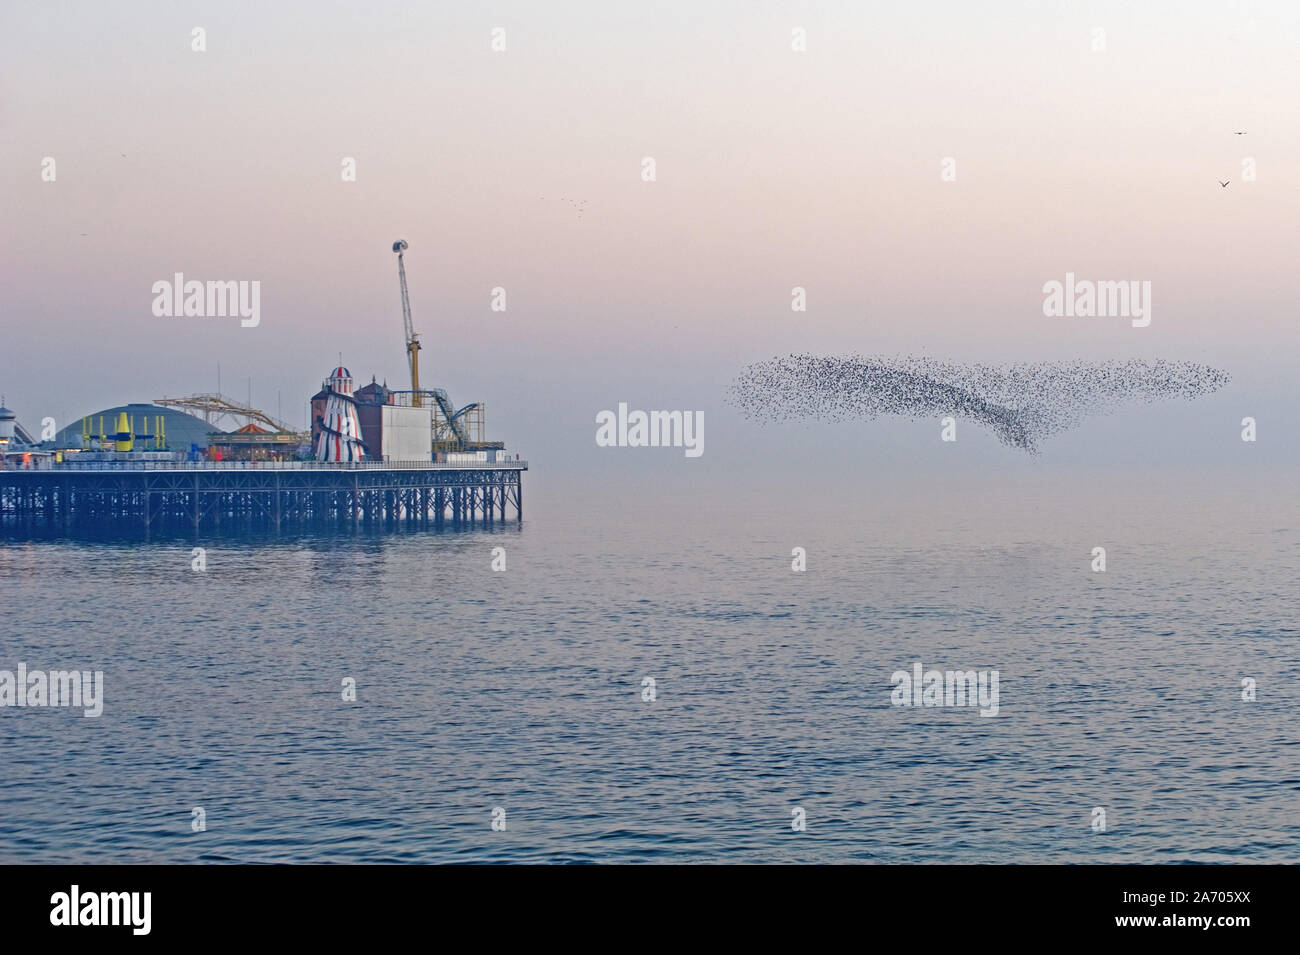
column 206, row 494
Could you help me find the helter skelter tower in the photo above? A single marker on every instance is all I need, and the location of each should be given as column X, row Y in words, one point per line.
column 340, row 435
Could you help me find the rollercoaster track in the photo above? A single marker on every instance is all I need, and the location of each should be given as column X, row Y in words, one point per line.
column 453, row 416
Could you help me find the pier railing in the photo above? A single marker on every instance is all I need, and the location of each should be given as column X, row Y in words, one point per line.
column 145, row 492
column 273, row 465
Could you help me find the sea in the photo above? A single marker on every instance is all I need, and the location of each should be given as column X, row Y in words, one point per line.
column 642, row 671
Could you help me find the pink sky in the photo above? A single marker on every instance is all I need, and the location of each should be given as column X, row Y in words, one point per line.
column 775, row 169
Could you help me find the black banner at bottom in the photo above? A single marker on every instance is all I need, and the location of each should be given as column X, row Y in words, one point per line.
column 336, row 904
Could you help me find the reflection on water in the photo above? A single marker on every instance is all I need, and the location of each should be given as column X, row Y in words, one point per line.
column 522, row 689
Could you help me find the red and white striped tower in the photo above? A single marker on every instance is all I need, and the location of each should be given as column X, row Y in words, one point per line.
column 340, row 436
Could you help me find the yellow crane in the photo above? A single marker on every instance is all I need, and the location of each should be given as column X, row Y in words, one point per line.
column 412, row 339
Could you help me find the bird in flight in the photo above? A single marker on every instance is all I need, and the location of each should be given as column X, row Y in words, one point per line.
column 1240, row 133
column 1224, row 184
column 578, row 204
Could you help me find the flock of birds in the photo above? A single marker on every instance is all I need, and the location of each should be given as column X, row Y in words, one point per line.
column 1020, row 403
column 578, row 204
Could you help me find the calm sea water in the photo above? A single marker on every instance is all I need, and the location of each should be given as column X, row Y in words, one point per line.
column 523, row 689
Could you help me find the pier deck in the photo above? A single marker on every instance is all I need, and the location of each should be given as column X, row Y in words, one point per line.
column 206, row 493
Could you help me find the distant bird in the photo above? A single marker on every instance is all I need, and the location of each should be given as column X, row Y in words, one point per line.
column 1224, row 184
column 579, row 205
column 1241, row 133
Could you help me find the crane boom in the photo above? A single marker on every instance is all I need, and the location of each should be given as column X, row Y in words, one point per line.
column 412, row 339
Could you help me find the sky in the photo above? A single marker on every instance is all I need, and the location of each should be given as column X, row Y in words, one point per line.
column 774, row 168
